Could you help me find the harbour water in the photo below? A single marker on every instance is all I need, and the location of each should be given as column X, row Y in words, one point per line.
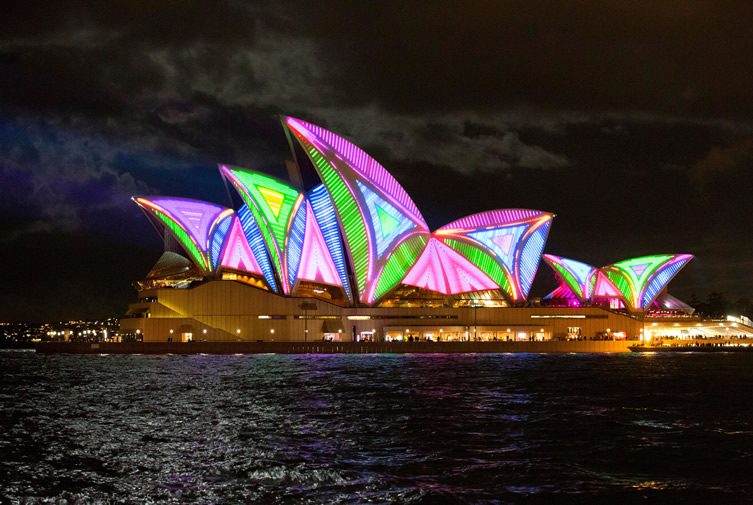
column 464, row 428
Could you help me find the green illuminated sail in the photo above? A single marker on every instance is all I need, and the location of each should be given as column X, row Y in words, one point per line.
column 272, row 203
column 184, row 239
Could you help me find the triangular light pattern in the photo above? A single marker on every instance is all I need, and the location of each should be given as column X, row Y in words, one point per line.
column 237, row 254
column 316, row 263
column 273, row 199
column 462, row 276
column 503, row 241
column 428, row 272
column 443, row 270
column 605, row 288
column 256, row 242
column 639, row 269
column 388, row 223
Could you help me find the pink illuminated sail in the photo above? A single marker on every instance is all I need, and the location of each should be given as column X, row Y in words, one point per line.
column 237, row 254
column 605, row 288
column 443, row 270
column 316, row 262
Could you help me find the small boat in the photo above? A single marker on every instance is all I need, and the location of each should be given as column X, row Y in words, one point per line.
column 692, row 348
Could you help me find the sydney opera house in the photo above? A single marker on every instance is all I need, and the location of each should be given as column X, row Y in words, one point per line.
column 341, row 252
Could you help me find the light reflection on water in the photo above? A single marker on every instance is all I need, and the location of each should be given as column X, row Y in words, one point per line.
column 506, row 428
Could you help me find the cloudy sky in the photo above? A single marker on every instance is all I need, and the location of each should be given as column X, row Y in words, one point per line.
column 632, row 121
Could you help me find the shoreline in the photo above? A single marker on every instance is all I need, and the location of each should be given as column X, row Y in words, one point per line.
column 591, row 346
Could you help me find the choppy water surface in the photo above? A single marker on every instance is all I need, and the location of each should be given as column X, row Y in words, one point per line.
column 376, row 428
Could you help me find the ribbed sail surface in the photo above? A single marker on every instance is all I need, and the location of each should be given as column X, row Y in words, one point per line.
column 324, row 212
column 190, row 222
column 256, row 242
column 445, row 271
column 505, row 244
column 382, row 227
column 273, row 204
column 575, row 275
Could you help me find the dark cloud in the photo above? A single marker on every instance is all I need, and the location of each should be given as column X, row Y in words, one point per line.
column 675, row 57
column 725, row 170
column 631, row 121
column 174, row 23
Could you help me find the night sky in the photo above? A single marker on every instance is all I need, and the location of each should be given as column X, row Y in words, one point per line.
column 632, row 121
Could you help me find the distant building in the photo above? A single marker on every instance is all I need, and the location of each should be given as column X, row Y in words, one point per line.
column 343, row 253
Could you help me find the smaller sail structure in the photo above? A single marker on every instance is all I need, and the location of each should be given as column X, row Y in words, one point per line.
column 578, row 277
column 191, row 222
column 505, row 244
column 641, row 280
column 634, row 283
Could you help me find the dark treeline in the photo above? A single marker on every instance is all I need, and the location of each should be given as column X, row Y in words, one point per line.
column 717, row 305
